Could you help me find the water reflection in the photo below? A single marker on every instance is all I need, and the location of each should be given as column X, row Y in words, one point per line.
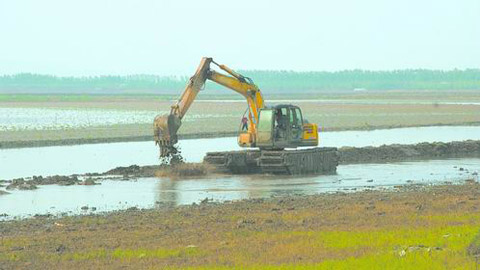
column 349, row 178
column 166, row 192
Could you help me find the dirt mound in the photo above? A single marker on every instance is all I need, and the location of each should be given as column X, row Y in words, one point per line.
column 133, row 171
column 397, row 152
column 62, row 180
column 184, row 170
column 179, row 169
column 21, row 184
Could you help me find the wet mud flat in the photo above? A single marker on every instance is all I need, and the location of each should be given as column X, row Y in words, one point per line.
column 436, row 225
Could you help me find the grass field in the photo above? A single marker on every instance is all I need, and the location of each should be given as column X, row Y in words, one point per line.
column 332, row 112
column 421, row 228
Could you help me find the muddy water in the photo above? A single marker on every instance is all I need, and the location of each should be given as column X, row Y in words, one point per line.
column 151, row 192
column 65, row 160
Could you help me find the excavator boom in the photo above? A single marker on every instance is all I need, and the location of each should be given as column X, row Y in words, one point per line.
column 166, row 126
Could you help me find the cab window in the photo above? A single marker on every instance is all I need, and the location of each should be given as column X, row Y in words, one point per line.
column 296, row 118
column 298, row 114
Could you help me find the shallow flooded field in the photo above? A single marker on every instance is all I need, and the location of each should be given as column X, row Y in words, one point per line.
column 65, row 160
column 17, row 119
column 128, row 117
column 152, row 192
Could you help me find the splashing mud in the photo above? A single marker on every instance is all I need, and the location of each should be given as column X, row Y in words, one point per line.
column 173, row 157
column 173, row 165
column 182, row 170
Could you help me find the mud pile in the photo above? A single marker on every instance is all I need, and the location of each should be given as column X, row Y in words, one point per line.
column 30, row 184
column 133, row 171
column 173, row 155
column 184, row 170
column 399, row 152
column 21, row 184
column 56, row 179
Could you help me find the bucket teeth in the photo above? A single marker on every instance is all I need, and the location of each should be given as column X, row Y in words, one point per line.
column 165, row 133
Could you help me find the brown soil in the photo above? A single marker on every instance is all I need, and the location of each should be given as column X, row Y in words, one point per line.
column 24, row 143
column 30, row 184
column 183, row 170
column 176, row 170
column 249, row 232
column 133, row 171
column 77, row 141
column 400, row 152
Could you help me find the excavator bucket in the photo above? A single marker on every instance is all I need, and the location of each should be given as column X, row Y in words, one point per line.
column 165, row 133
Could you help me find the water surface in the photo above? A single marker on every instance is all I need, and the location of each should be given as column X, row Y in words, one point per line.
column 151, row 192
column 65, row 160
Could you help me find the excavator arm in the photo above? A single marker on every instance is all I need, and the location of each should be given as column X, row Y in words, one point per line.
column 166, row 126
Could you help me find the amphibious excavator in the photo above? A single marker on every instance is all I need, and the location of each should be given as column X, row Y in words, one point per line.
column 271, row 133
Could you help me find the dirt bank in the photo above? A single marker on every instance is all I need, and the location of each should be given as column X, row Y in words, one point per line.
column 415, row 228
column 199, row 135
column 401, row 152
column 132, row 171
column 46, row 143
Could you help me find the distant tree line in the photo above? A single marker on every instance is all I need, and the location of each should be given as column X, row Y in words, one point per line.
column 278, row 81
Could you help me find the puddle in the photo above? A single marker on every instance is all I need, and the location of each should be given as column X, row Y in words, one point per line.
column 150, row 192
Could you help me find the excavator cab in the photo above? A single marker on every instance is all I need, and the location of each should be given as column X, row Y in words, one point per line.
column 282, row 126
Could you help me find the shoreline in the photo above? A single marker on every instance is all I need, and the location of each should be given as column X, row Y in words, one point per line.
column 325, row 230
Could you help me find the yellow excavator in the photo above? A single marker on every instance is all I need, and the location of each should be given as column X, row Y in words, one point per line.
column 270, row 129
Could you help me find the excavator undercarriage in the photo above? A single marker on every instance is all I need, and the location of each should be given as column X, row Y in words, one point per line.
column 319, row 160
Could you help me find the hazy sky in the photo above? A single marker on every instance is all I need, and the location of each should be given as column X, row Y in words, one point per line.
column 167, row 37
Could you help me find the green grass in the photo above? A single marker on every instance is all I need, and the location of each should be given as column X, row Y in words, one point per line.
column 328, row 231
column 127, row 254
column 439, row 247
